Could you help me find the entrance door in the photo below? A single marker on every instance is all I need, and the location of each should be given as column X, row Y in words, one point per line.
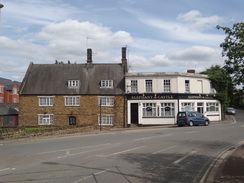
column 134, row 113
column 200, row 107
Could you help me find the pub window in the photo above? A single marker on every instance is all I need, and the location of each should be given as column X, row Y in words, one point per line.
column 187, row 106
column 149, row 109
column 167, row 109
column 187, row 85
column 149, row 86
column 212, row 107
column 167, row 85
column 134, row 86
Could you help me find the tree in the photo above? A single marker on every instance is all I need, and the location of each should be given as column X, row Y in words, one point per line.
column 222, row 83
column 233, row 49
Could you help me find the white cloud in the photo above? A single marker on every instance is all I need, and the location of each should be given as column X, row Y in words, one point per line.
column 196, row 21
column 198, row 53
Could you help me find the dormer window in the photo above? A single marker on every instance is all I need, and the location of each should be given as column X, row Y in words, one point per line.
column 107, row 84
column 73, row 83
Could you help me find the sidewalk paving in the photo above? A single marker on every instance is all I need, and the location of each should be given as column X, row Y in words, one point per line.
column 229, row 166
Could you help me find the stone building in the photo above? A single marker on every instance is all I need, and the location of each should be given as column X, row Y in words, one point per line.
column 74, row 94
column 156, row 98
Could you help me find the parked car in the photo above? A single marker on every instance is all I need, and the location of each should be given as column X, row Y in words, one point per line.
column 191, row 118
column 231, row 110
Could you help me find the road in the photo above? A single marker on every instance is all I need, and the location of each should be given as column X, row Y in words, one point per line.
column 144, row 155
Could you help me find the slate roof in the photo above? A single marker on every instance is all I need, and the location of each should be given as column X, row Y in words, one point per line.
column 8, row 84
column 52, row 79
column 9, row 109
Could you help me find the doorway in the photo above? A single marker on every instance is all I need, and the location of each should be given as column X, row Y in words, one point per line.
column 134, row 113
column 200, row 107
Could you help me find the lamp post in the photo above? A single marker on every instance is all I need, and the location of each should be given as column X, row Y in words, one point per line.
column 1, row 5
column 100, row 114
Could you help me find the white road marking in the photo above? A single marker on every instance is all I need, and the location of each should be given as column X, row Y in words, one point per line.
column 191, row 132
column 47, row 152
column 90, row 176
column 6, row 169
column 67, row 154
column 147, row 138
column 120, row 152
column 165, row 149
column 184, row 157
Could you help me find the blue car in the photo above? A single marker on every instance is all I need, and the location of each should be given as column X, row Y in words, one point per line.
column 191, row 118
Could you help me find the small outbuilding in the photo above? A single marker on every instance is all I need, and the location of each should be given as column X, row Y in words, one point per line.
column 9, row 114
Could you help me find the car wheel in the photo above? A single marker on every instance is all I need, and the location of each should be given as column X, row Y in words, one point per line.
column 206, row 123
column 191, row 123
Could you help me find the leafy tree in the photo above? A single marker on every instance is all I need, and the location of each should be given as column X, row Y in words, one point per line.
column 233, row 49
column 222, row 83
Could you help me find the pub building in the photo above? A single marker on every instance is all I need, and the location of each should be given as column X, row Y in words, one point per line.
column 156, row 98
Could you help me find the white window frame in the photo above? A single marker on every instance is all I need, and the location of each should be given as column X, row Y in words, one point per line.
column 149, row 110
column 134, row 86
column 72, row 100
column 166, row 84
column 73, row 83
column 212, row 106
column 45, row 119
column 107, row 84
column 170, row 112
column 106, row 101
column 106, row 119
column 1, row 89
column 187, row 106
column 187, row 85
column 46, row 100
column 149, row 85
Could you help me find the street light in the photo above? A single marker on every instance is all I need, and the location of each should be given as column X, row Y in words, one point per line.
column 1, row 5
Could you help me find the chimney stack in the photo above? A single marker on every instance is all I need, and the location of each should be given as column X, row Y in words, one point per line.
column 191, row 71
column 124, row 60
column 89, row 55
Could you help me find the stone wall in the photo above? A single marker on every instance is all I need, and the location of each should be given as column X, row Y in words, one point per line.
column 87, row 113
column 16, row 133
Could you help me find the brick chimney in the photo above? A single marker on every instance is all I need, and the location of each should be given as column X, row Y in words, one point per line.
column 191, row 71
column 89, row 55
column 124, row 60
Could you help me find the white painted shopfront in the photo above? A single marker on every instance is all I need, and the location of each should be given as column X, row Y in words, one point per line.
column 156, row 98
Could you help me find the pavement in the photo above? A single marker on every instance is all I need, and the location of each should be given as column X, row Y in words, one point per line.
column 228, row 167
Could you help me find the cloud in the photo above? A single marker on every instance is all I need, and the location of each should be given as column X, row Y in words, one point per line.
column 196, row 21
column 198, row 53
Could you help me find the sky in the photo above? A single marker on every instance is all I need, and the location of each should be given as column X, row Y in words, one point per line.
column 160, row 35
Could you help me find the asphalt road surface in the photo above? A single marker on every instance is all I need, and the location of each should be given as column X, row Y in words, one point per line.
column 144, row 155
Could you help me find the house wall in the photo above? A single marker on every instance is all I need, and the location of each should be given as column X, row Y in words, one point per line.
column 8, row 96
column 145, row 108
column 1, row 93
column 177, row 83
column 87, row 113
